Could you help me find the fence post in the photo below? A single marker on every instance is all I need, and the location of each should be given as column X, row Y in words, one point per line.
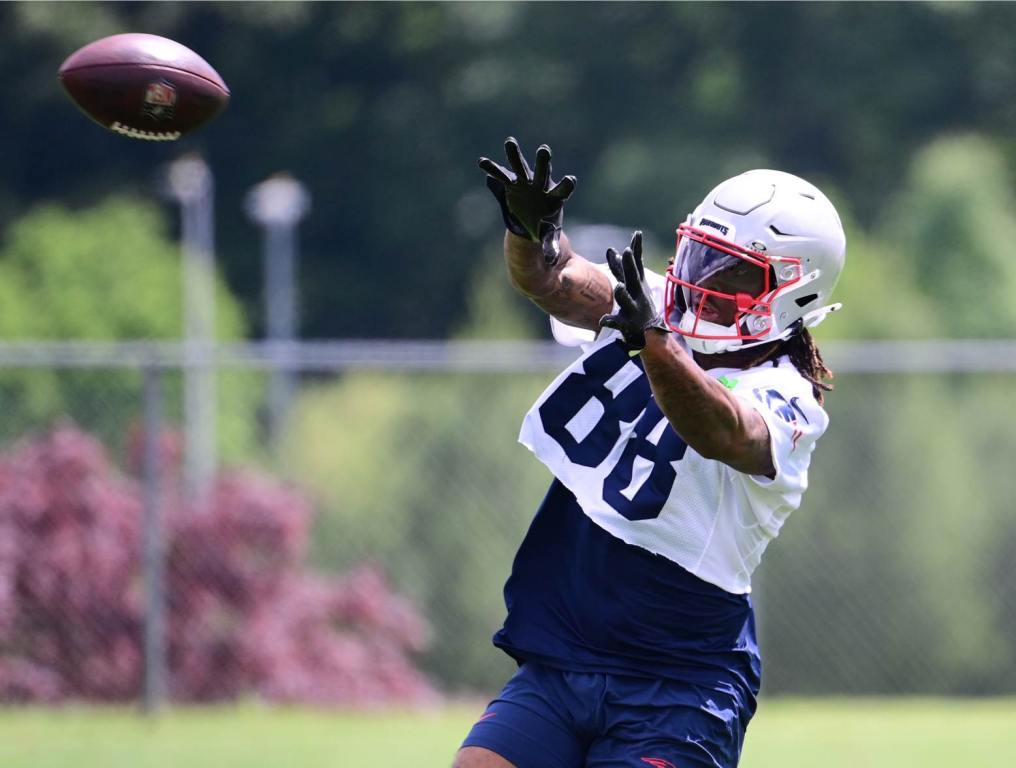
column 152, row 547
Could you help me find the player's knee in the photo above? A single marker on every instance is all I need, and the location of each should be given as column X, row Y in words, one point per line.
column 478, row 757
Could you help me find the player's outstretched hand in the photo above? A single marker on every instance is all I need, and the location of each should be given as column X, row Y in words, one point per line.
column 532, row 203
column 636, row 311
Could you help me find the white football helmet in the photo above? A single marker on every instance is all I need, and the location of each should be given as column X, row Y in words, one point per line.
column 771, row 221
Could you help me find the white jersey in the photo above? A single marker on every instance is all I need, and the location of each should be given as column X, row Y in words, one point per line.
column 599, row 430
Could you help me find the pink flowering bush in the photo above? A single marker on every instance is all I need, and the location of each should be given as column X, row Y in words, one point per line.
column 244, row 614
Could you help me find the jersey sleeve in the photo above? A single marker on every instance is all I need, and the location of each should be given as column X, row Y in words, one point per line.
column 570, row 336
column 795, row 421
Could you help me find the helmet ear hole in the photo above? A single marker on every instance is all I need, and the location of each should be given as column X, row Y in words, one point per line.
column 804, row 301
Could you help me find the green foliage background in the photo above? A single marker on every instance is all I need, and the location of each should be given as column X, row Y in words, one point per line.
column 902, row 112
column 382, row 108
column 424, row 474
column 104, row 272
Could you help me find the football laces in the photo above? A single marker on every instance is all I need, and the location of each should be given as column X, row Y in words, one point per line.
column 137, row 133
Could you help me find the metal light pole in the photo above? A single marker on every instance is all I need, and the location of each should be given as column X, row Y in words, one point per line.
column 277, row 205
column 190, row 184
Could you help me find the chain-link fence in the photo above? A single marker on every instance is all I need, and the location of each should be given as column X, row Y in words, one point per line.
column 360, row 555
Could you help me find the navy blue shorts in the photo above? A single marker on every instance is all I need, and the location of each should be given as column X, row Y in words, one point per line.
column 553, row 718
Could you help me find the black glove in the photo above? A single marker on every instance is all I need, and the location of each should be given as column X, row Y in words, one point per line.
column 636, row 312
column 532, row 204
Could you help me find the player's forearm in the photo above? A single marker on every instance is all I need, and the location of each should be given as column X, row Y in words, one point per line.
column 707, row 416
column 571, row 290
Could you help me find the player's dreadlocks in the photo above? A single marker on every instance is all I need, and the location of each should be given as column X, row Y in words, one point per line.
column 804, row 354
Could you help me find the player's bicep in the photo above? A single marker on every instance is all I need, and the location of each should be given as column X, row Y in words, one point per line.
column 753, row 452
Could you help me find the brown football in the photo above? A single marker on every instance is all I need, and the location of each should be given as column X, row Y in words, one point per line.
column 144, row 86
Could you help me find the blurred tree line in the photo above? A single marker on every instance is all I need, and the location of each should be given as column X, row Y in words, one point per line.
column 892, row 577
column 382, row 108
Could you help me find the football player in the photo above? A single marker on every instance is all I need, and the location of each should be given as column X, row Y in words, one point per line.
column 679, row 443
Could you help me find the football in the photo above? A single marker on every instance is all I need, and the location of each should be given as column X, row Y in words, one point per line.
column 144, row 86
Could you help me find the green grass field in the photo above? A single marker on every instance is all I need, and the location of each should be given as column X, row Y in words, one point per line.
column 799, row 733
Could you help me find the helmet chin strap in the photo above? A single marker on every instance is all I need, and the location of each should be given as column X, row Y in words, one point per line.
column 718, row 346
column 704, row 327
column 710, row 346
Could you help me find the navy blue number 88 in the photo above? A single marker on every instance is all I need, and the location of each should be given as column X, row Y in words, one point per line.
column 577, row 392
